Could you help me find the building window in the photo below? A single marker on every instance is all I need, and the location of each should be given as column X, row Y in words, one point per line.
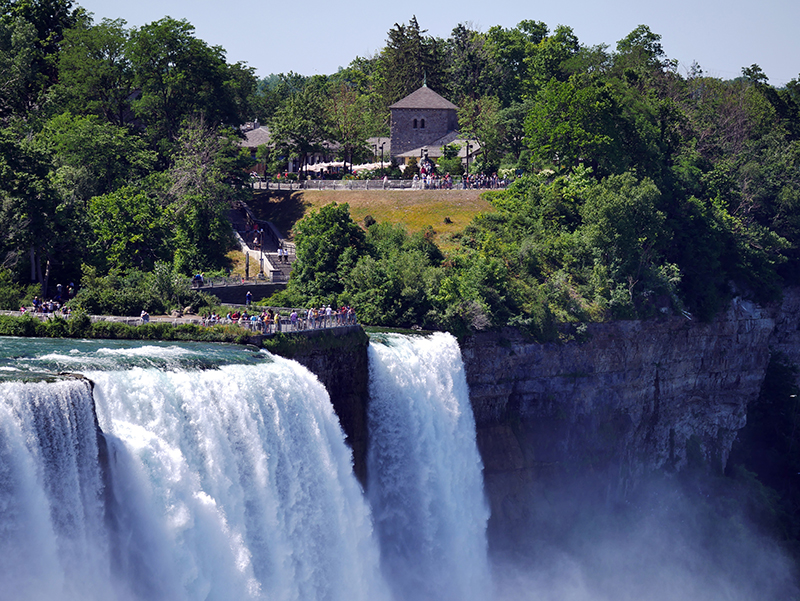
column 415, row 124
column 422, row 124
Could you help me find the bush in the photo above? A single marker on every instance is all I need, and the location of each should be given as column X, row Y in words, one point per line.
column 25, row 326
column 13, row 296
column 128, row 293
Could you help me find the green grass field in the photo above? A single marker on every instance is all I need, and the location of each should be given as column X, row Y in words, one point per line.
column 415, row 209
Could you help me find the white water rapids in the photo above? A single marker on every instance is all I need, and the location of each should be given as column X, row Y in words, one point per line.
column 229, row 478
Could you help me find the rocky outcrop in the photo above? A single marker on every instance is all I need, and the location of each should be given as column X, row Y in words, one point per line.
column 627, row 398
column 634, row 396
column 338, row 357
column 785, row 337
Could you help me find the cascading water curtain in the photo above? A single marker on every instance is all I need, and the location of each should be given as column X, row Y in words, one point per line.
column 53, row 541
column 242, row 482
column 228, row 482
column 425, row 472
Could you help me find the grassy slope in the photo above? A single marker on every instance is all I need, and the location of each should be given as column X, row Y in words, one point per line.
column 415, row 209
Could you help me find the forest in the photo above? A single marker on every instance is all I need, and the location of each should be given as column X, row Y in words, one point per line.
column 639, row 191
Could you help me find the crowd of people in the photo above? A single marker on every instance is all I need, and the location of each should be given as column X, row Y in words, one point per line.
column 483, row 180
column 270, row 321
column 434, row 181
column 52, row 305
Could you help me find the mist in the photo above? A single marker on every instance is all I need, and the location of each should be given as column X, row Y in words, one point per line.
column 674, row 538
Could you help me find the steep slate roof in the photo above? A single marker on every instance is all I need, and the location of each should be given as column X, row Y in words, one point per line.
column 255, row 137
column 423, row 98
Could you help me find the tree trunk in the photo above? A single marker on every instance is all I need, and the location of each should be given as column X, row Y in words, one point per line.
column 46, row 277
column 39, row 277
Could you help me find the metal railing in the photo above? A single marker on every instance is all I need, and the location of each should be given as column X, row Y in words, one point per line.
column 282, row 321
column 370, row 184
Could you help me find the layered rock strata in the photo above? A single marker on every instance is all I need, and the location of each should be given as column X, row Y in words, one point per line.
column 633, row 397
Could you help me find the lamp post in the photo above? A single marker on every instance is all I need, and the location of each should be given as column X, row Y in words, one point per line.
column 261, row 247
column 382, row 145
column 466, row 175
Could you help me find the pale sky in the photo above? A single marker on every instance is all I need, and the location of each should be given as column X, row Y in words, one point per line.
column 310, row 36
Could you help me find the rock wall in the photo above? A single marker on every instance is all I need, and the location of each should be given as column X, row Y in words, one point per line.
column 786, row 335
column 634, row 396
column 631, row 397
column 338, row 357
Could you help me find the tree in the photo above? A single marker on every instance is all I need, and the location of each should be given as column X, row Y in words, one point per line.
column 301, row 126
column 409, row 59
column 180, row 76
column 568, row 124
column 480, row 119
column 395, row 283
column 20, row 82
column 329, row 244
column 200, row 196
column 623, row 223
column 449, row 162
column 509, row 49
column 639, row 51
column 349, row 120
column 87, row 158
column 92, row 157
column 27, row 208
column 130, row 229
column 546, row 60
column 471, row 73
column 511, row 121
column 94, row 72
column 37, row 49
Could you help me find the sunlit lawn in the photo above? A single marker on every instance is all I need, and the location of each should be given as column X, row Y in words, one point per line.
column 416, row 210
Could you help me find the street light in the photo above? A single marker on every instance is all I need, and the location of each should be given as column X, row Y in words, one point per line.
column 382, row 145
column 261, row 246
column 469, row 147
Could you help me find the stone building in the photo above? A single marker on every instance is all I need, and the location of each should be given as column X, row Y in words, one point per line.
column 421, row 119
column 422, row 123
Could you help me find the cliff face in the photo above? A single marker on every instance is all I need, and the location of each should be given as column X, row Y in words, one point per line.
column 338, row 357
column 786, row 335
column 633, row 397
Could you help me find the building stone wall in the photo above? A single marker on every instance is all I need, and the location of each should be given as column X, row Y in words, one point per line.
column 438, row 123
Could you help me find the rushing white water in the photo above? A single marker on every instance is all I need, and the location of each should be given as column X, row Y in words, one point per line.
column 225, row 483
column 425, row 473
column 222, row 473
column 52, row 542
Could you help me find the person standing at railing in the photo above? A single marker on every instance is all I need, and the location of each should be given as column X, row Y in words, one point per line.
column 293, row 319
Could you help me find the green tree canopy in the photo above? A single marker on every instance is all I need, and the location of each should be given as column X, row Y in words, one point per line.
column 300, row 127
column 329, row 243
column 94, row 71
column 27, row 208
column 131, row 230
column 200, row 196
column 180, row 76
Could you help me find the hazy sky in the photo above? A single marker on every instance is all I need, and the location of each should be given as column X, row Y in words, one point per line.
column 311, row 36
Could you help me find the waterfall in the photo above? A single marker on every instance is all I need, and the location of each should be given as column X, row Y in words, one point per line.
column 425, row 473
column 52, row 539
column 222, row 473
column 226, row 483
